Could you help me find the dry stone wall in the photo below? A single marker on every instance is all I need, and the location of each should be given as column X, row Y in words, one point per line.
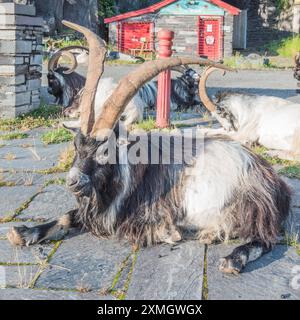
column 20, row 59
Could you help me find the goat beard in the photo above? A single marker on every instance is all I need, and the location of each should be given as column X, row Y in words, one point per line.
column 92, row 216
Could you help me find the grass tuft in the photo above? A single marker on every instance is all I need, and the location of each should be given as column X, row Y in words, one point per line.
column 44, row 116
column 287, row 47
column 65, row 161
column 14, row 136
column 147, row 125
column 292, row 171
column 56, row 136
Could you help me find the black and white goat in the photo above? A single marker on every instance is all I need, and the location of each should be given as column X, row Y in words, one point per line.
column 64, row 83
column 67, row 86
column 224, row 191
column 269, row 121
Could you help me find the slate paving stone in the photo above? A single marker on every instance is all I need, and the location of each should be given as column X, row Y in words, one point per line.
column 28, row 178
column 268, row 278
column 166, row 272
column 295, row 184
column 83, row 261
column 12, row 198
column 33, row 294
column 52, row 202
column 39, row 158
column 17, row 276
column 32, row 255
column 293, row 226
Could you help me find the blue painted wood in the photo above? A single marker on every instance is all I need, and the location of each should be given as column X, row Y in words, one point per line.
column 192, row 7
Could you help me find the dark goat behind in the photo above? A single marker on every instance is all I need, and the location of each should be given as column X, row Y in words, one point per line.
column 65, row 87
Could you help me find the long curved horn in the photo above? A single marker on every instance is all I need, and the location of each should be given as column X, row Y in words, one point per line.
column 53, row 62
column 97, row 48
column 209, row 105
column 129, row 85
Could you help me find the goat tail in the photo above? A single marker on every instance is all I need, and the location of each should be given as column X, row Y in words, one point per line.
column 265, row 204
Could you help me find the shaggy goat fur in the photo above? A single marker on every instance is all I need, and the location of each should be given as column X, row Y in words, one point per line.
column 269, row 121
column 149, row 204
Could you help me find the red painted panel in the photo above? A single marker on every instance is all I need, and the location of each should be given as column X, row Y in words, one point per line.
column 133, row 34
column 210, row 40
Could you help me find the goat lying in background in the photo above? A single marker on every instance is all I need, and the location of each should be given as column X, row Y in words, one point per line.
column 232, row 192
column 269, row 121
column 63, row 83
column 67, row 85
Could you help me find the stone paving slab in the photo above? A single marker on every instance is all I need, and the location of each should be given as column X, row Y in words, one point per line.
column 166, row 272
column 33, row 294
column 17, row 276
column 38, row 157
column 268, row 278
column 12, row 198
column 85, row 261
column 295, row 184
column 52, row 202
column 28, row 178
column 32, row 255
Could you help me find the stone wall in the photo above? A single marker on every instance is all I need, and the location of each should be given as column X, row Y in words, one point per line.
column 186, row 32
column 265, row 22
column 20, row 59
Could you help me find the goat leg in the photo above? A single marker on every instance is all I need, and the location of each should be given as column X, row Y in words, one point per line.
column 24, row 236
column 237, row 260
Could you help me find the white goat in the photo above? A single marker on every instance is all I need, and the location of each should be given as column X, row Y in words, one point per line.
column 269, row 121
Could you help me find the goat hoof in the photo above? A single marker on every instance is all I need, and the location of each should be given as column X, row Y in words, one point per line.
column 228, row 265
column 22, row 236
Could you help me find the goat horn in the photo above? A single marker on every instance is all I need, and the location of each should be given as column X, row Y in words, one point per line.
column 97, row 49
column 129, row 85
column 209, row 105
column 53, row 62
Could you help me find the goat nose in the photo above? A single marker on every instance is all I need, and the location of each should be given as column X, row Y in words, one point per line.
column 72, row 181
column 73, row 177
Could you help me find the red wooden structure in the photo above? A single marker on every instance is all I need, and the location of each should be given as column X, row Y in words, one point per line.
column 210, row 36
column 165, row 38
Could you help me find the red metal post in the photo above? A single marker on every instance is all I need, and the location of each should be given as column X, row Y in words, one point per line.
column 165, row 38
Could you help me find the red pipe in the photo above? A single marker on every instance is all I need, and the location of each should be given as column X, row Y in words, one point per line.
column 165, row 38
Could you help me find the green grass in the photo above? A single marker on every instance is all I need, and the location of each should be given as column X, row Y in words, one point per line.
column 147, row 125
column 292, row 171
column 13, row 136
column 57, row 181
column 65, row 161
column 56, row 136
column 44, row 116
column 287, row 47
column 262, row 151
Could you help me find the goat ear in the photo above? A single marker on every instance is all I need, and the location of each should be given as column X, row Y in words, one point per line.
column 72, row 126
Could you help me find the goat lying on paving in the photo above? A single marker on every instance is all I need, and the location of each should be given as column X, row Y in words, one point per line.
column 224, row 191
column 67, row 86
column 269, row 121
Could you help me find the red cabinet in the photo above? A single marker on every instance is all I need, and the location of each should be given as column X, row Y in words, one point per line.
column 210, row 37
column 135, row 35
